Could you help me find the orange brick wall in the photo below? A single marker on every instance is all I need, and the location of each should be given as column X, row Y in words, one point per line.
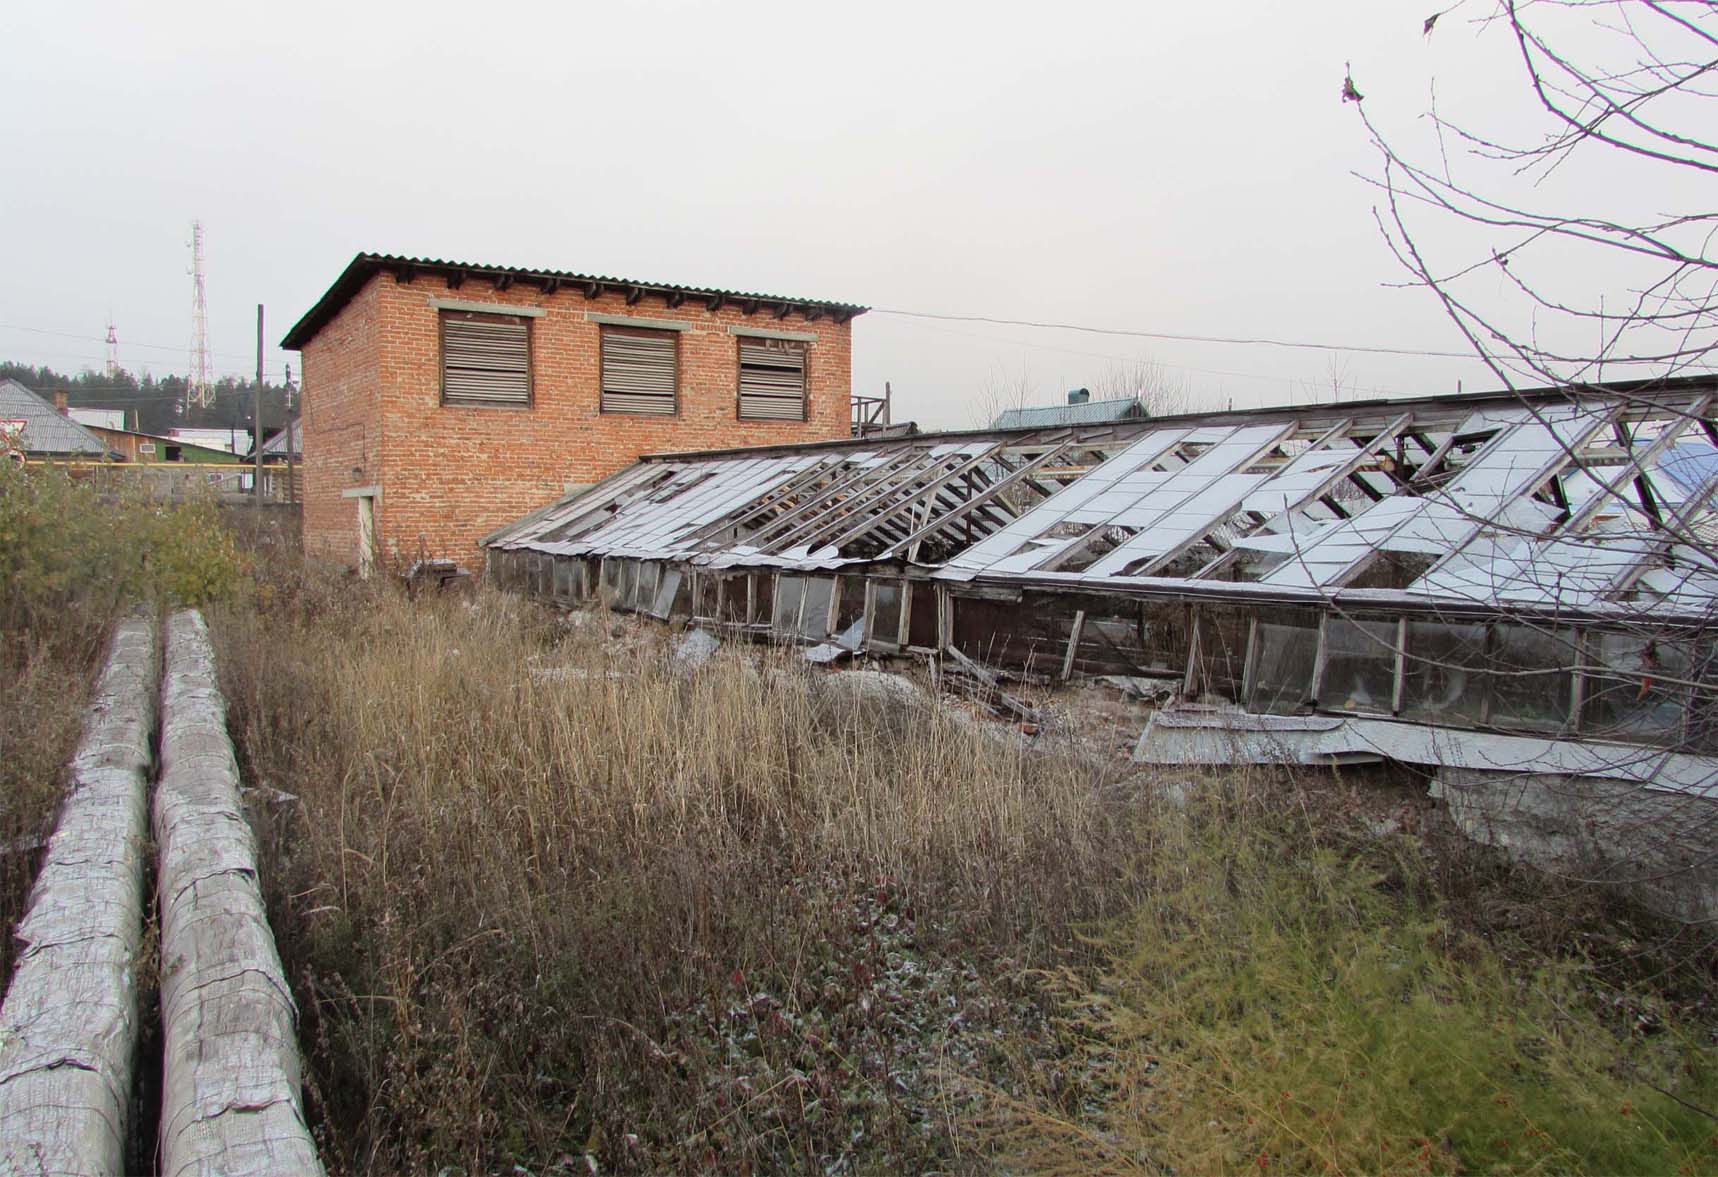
column 451, row 474
column 341, row 407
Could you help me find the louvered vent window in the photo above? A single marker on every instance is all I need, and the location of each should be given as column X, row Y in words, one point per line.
column 485, row 359
column 772, row 379
column 638, row 369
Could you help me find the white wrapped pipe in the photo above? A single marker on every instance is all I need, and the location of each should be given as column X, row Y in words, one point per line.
column 230, row 1100
column 68, row 1028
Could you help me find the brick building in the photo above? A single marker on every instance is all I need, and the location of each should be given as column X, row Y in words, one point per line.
column 443, row 400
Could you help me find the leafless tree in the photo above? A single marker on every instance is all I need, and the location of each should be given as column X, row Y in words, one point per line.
column 1335, row 385
column 1162, row 392
column 1581, row 250
column 1550, row 280
column 1001, row 390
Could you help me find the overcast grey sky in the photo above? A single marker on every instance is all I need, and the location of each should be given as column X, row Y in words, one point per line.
column 1180, row 168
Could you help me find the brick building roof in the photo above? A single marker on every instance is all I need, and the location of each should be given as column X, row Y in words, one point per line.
column 365, row 265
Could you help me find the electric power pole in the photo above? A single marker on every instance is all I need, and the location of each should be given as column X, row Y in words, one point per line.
column 256, row 420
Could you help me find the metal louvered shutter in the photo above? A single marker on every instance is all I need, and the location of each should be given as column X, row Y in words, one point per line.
column 637, row 371
column 772, row 379
column 485, row 359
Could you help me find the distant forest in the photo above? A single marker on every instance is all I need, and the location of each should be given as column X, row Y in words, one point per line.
column 159, row 401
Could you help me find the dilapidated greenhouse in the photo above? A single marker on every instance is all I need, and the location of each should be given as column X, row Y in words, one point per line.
column 1517, row 582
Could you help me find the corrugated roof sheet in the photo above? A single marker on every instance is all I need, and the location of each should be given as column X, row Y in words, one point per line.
column 362, row 267
column 45, row 431
column 1125, row 408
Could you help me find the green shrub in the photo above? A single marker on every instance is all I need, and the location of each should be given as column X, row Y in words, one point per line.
column 70, row 558
column 70, row 561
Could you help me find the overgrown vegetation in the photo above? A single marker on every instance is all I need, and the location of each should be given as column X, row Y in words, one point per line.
column 70, row 561
column 547, row 901
column 543, row 897
column 71, row 558
column 551, row 899
column 1280, row 1001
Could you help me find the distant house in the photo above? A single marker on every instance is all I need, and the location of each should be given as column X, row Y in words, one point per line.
column 442, row 400
column 1080, row 410
column 230, row 441
column 132, row 446
column 105, row 418
column 36, row 428
column 283, row 457
column 286, row 445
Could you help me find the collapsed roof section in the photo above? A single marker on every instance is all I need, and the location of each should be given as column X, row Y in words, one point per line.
column 1555, row 503
column 1532, row 571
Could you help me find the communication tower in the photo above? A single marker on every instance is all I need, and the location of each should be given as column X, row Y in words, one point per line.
column 112, row 350
column 199, row 389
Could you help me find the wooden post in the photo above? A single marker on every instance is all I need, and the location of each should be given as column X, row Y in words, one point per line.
column 256, row 420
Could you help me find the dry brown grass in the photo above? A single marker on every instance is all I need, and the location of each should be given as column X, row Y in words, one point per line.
column 546, row 902
column 41, row 715
column 542, row 897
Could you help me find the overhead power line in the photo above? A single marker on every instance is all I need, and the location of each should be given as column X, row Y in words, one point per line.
column 1247, row 341
column 1269, row 378
column 177, row 348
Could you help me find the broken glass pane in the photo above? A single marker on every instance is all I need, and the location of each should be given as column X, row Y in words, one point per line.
column 788, row 592
column 1635, row 688
column 885, row 612
column 668, row 589
column 1531, row 670
column 1222, row 654
column 922, row 619
column 1443, row 677
column 1165, row 633
column 1283, row 657
column 643, row 590
column 732, row 607
column 1111, row 644
column 814, row 618
column 707, row 596
column 1359, row 666
column 852, row 606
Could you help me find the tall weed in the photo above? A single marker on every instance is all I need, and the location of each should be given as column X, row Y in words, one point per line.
column 1281, row 1001
column 545, row 898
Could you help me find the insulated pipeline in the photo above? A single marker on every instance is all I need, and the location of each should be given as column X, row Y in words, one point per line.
column 231, row 1100
column 69, row 1025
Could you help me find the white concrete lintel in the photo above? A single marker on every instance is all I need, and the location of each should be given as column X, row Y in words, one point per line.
column 486, row 308
column 770, row 333
column 639, row 321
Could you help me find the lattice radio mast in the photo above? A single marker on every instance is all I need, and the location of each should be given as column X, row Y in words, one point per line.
column 199, row 390
column 112, row 350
